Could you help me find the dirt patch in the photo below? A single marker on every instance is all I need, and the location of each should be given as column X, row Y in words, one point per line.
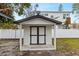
column 11, row 48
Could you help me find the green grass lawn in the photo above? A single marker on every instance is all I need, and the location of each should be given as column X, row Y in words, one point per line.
column 63, row 44
column 67, row 44
column 3, row 41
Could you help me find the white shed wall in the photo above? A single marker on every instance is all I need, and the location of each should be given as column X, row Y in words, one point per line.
column 48, row 35
column 38, row 21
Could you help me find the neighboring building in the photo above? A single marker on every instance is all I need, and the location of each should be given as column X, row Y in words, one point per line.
column 57, row 15
column 37, row 33
column 74, row 26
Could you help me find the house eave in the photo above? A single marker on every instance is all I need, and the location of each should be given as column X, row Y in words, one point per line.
column 38, row 16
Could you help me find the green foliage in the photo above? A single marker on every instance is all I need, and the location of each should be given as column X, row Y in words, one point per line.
column 67, row 23
column 8, row 9
column 8, row 24
column 15, row 7
column 67, row 44
column 20, row 7
column 75, row 7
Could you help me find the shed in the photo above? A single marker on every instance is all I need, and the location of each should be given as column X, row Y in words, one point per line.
column 37, row 33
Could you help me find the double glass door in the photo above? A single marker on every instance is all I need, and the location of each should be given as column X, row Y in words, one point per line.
column 37, row 35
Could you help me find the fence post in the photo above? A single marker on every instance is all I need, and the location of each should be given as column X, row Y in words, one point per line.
column 20, row 37
column 55, row 36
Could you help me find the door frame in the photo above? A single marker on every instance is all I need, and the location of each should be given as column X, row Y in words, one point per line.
column 38, row 43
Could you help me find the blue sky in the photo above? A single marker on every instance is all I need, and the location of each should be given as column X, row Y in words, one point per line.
column 49, row 7
column 53, row 6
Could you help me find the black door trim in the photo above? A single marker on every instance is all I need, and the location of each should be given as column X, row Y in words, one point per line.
column 38, row 43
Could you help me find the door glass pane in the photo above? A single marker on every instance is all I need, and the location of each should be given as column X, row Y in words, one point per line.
column 41, row 30
column 41, row 39
column 34, row 39
column 34, row 30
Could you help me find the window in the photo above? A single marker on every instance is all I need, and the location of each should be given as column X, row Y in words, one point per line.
column 51, row 16
column 46, row 14
column 67, row 14
column 42, row 14
column 64, row 16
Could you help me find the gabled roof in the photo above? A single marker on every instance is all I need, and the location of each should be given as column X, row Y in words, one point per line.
column 38, row 16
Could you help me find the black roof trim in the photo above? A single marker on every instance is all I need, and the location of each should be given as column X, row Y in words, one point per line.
column 38, row 16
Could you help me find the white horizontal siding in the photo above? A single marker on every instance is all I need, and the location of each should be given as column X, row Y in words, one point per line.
column 38, row 21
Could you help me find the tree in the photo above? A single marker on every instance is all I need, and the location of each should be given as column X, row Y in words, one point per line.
column 76, row 11
column 60, row 7
column 32, row 10
column 8, row 9
column 14, row 7
column 76, row 7
column 20, row 7
column 67, row 22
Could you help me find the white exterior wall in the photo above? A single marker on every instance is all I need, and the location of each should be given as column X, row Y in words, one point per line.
column 56, row 14
column 37, row 21
column 48, row 35
column 26, row 35
column 60, row 15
